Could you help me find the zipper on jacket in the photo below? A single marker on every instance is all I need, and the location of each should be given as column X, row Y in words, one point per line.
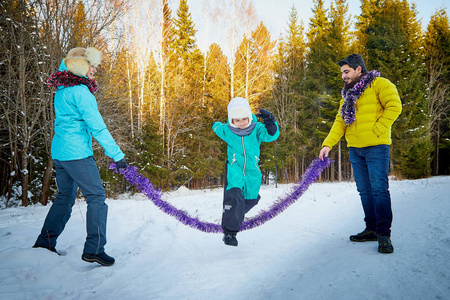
column 234, row 159
column 245, row 156
column 256, row 162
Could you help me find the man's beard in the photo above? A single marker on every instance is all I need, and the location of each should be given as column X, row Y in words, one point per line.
column 352, row 83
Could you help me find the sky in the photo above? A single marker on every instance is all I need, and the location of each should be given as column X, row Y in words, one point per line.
column 275, row 14
column 303, row 253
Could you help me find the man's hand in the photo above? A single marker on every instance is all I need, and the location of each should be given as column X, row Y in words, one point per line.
column 121, row 164
column 324, row 152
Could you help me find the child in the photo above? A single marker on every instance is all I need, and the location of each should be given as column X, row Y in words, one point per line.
column 243, row 134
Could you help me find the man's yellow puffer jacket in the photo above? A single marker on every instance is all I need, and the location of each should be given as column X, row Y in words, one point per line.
column 376, row 110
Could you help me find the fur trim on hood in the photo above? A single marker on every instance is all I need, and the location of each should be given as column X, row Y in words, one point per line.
column 79, row 59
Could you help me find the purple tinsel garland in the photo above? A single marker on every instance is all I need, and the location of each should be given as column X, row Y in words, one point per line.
column 348, row 110
column 144, row 185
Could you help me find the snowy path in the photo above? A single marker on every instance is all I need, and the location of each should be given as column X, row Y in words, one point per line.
column 304, row 253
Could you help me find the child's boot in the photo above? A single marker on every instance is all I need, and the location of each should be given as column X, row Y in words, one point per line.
column 230, row 239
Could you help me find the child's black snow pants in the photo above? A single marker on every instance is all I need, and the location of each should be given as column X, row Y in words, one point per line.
column 234, row 207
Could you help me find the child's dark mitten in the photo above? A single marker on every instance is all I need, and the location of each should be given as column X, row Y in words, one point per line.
column 269, row 120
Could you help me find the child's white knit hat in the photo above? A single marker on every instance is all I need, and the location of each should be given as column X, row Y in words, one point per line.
column 238, row 108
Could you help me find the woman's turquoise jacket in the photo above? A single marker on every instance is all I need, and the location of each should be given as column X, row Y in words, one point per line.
column 243, row 156
column 76, row 119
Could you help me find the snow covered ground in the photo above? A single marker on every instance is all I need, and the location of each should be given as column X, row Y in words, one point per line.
column 304, row 253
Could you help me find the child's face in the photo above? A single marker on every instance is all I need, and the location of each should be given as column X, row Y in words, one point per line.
column 240, row 123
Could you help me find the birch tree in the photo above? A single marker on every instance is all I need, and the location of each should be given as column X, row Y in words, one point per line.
column 233, row 18
column 140, row 36
column 165, row 52
column 254, row 66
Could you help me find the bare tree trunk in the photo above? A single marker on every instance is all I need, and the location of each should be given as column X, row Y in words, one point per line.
column 247, row 70
column 46, row 181
column 24, row 175
column 438, row 103
column 22, row 113
column 339, row 162
column 232, row 14
column 141, row 82
column 130, row 95
column 436, row 168
column 162, row 100
column 233, row 50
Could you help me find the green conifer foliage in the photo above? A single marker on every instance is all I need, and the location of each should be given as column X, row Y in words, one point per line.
column 184, row 30
column 287, row 101
column 318, row 47
column 80, row 27
column 394, row 50
column 337, row 40
column 217, row 91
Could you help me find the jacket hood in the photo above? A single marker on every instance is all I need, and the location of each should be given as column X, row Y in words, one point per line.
column 62, row 66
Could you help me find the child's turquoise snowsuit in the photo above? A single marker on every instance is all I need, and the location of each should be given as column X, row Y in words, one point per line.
column 242, row 168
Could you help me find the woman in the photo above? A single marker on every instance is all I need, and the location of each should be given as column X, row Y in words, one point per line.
column 77, row 118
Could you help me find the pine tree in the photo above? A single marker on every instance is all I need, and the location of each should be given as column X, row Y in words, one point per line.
column 165, row 58
column 287, row 101
column 318, row 47
column 183, row 112
column 80, row 27
column 217, row 89
column 318, row 58
column 338, row 44
column 394, row 50
column 185, row 43
column 337, row 47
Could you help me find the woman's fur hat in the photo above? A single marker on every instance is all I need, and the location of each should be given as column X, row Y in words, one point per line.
column 79, row 59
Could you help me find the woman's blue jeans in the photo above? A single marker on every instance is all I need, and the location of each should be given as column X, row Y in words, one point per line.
column 71, row 175
column 371, row 169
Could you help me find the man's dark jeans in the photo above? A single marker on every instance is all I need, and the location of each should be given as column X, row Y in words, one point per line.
column 371, row 169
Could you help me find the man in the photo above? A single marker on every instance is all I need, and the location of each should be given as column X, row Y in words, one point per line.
column 77, row 121
column 369, row 107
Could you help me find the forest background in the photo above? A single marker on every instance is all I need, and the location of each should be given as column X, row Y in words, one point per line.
column 159, row 93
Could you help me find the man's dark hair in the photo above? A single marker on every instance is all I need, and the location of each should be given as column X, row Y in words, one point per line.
column 354, row 60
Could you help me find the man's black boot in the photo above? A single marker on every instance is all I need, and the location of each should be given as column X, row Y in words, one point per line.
column 364, row 236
